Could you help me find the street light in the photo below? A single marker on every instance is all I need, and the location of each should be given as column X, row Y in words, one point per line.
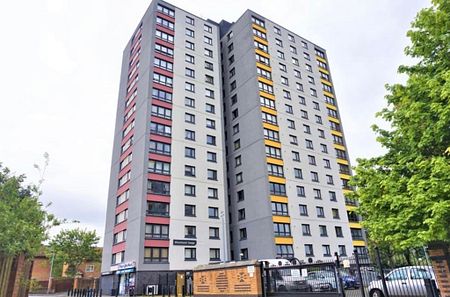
column 224, row 234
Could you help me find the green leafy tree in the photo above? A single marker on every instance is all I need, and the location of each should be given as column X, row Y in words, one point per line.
column 404, row 194
column 24, row 221
column 73, row 247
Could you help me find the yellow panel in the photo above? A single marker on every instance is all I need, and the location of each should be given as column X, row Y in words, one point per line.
column 263, row 66
column 344, row 176
column 272, row 143
column 338, row 146
column 259, row 28
column 261, row 53
column 284, row 240
column 342, row 161
column 323, row 70
column 275, row 179
column 265, row 80
column 269, row 110
column 326, row 82
column 281, row 199
column 274, row 161
column 267, row 95
column 355, row 225
column 281, row 219
column 345, row 191
column 271, row 127
column 321, row 59
column 359, row 243
column 334, row 132
column 350, row 207
column 334, row 120
column 328, row 94
column 260, row 40
column 331, row 106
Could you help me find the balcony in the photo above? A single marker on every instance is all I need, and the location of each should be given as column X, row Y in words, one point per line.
column 351, row 202
column 157, row 213
column 345, row 171
column 347, row 187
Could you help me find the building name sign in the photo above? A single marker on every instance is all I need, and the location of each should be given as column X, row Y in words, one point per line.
column 127, row 265
column 184, row 242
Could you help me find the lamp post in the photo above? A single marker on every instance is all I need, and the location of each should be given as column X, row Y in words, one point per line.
column 49, row 285
column 224, row 234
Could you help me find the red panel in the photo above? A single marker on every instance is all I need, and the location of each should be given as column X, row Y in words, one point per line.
column 130, row 93
column 157, row 243
column 162, row 103
column 132, row 57
column 166, row 17
column 120, row 227
column 122, row 207
column 126, row 153
column 123, row 188
column 163, row 72
column 118, row 247
column 164, row 29
column 128, row 136
column 165, row 43
column 163, row 57
column 158, row 157
column 161, row 121
column 132, row 78
column 125, row 170
column 134, row 64
column 162, row 87
column 136, row 38
column 160, row 177
column 130, row 106
column 158, row 198
column 160, row 138
column 157, row 220
column 129, row 121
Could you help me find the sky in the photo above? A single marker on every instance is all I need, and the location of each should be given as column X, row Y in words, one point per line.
column 60, row 67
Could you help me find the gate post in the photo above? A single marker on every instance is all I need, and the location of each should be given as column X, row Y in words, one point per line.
column 383, row 280
column 358, row 267
column 339, row 284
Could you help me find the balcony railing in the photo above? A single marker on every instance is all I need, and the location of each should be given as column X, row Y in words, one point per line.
column 351, row 202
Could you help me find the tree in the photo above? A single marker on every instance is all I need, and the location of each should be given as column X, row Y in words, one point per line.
column 24, row 221
column 73, row 247
column 404, row 194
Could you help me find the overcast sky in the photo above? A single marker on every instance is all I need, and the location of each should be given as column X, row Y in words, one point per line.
column 60, row 66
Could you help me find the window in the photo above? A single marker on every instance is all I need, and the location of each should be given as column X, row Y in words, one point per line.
column 232, row 72
column 213, row 233
column 308, row 68
column 190, row 21
column 207, row 28
column 189, row 59
column 277, row 189
column 161, row 112
column 213, row 212
column 338, row 231
column 284, row 81
column 304, row 114
column 309, row 251
column 211, row 157
column 165, row 23
column 323, row 231
column 126, row 161
column 209, row 65
column 189, row 118
column 190, row 232
column 283, row 67
column 303, row 210
column 230, row 35
column 189, row 45
column 311, row 160
column 163, row 64
column 233, row 99
column 293, row 139
column 189, row 190
column 262, row 59
column 342, row 250
column 324, row 76
column 237, row 161
column 210, row 108
column 304, row 44
column 162, row 79
column 214, row 254
column 273, row 152
column 313, row 92
column 293, row 49
column 269, row 118
column 322, row 64
column 208, row 53
column 190, row 87
column 237, row 144
column 259, row 34
column 240, row 195
column 306, row 56
column 235, row 113
column 212, row 174
column 327, row 164
column 263, row 73
column 289, row 109
column 166, row 10
column 335, row 213
column 156, row 231
column 207, row 40
column 189, row 135
column 330, row 180
column 297, row 74
column 321, row 133
column 285, row 251
column 118, row 257
column 236, row 129
column 291, row 124
column 326, row 250
column 277, row 30
column 282, row 229
column 160, row 147
column 158, row 187
column 324, row 148
column 189, row 210
column 309, row 144
column 279, row 209
column 314, row 176
column 209, row 93
column 241, row 214
column 295, row 156
column 258, row 22
column 190, row 72
column 89, row 268
column 279, row 42
column 239, row 178
column 156, row 254
column 298, row 173
column 306, row 230
column 302, row 100
column 158, row 209
column 213, row 193
column 211, row 140
column 159, row 167
column 306, row 129
column 161, row 95
column 189, row 102
column 317, row 194
column 189, row 171
column 332, row 196
column 275, row 170
column 311, row 80
column 189, row 152
column 299, row 87
column 301, row 191
column 233, row 85
column 190, row 32
column 259, row 46
column 243, row 234
column 265, row 87
column 123, row 197
column 319, row 211
column 211, row 124
column 190, row 254
column 295, row 61
column 164, row 36
column 120, row 236
column 280, row 55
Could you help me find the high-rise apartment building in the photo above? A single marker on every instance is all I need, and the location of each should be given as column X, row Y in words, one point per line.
column 198, row 102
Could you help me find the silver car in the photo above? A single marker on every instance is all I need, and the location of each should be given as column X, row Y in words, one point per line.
column 404, row 281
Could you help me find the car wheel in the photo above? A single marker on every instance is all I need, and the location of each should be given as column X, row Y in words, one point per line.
column 282, row 289
column 376, row 293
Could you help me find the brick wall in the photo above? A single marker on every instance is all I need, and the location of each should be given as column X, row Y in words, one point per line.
column 439, row 255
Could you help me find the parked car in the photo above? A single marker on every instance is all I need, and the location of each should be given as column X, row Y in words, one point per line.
column 404, row 281
column 286, row 278
column 322, row 281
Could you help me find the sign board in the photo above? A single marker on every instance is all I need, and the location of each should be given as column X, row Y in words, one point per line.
column 127, row 265
column 304, row 272
column 184, row 242
column 346, row 263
